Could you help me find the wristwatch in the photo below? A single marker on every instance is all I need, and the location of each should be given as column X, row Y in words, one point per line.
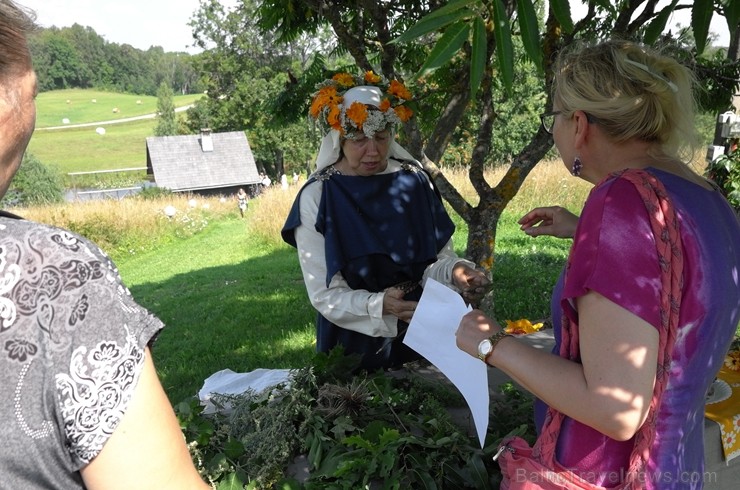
column 486, row 346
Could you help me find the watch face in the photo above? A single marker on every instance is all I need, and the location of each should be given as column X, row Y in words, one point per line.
column 484, row 348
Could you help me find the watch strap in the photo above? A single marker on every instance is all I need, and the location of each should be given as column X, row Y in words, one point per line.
column 495, row 339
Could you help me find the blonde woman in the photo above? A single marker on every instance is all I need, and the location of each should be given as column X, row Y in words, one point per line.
column 649, row 301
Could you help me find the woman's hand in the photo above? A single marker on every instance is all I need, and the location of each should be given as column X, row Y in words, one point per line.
column 474, row 327
column 472, row 283
column 554, row 221
column 394, row 304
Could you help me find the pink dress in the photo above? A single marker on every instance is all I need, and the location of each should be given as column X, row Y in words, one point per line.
column 614, row 254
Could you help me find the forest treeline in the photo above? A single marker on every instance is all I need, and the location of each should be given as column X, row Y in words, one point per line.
column 78, row 57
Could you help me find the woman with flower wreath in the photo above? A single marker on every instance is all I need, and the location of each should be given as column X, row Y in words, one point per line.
column 649, row 299
column 369, row 226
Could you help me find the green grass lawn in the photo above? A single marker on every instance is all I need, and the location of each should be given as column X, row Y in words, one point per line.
column 228, row 302
column 82, row 149
column 77, row 105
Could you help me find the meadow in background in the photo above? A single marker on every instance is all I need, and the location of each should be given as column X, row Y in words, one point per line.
column 82, row 149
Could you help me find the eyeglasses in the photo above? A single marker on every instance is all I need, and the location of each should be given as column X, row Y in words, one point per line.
column 548, row 119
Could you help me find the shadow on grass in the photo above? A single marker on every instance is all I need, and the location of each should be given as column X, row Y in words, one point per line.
column 254, row 314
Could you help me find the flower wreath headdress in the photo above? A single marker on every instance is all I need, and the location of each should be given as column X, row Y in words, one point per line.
column 353, row 117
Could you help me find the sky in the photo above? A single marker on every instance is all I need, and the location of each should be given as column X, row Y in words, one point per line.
column 140, row 23
column 146, row 23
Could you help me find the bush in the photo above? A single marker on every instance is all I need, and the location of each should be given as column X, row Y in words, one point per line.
column 152, row 193
column 725, row 172
column 33, row 184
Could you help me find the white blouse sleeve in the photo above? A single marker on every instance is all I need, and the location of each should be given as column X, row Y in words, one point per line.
column 441, row 270
column 358, row 310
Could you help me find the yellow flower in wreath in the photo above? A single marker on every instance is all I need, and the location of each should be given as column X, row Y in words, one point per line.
column 399, row 90
column 327, row 96
column 357, row 113
column 403, row 113
column 333, row 118
column 371, row 77
column 344, row 79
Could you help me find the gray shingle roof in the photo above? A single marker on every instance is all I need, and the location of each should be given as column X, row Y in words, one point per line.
column 180, row 164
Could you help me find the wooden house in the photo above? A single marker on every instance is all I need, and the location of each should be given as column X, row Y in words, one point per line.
column 206, row 163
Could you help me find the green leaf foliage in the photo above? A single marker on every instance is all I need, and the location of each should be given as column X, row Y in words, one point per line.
column 166, row 117
column 446, row 47
column 504, row 44
column 732, row 14
column 364, row 431
column 530, row 31
column 437, row 20
column 701, row 16
column 725, row 172
column 34, row 183
column 657, row 25
column 478, row 55
column 561, row 9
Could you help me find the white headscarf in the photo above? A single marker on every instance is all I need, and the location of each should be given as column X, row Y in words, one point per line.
column 332, row 141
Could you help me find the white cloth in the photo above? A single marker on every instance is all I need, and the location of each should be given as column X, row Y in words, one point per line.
column 228, row 382
column 331, row 145
column 364, row 94
column 356, row 310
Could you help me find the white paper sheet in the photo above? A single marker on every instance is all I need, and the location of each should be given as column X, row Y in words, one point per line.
column 431, row 333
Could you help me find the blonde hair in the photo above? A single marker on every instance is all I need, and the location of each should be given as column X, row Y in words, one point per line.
column 631, row 91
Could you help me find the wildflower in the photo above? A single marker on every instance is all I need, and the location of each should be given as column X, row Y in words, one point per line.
column 399, row 90
column 732, row 360
column 357, row 113
column 344, row 79
column 403, row 113
column 327, row 96
column 372, row 78
column 522, row 327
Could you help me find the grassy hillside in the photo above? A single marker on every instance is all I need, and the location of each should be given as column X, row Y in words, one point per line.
column 81, row 149
column 85, row 106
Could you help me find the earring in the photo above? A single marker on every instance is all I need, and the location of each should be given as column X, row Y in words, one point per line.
column 575, row 170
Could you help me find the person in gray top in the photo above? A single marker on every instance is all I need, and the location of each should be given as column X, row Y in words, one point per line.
column 80, row 401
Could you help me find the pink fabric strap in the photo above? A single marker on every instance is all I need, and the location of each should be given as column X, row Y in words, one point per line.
column 665, row 228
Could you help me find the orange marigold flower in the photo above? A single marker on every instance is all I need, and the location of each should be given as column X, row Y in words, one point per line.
column 385, row 104
column 371, row 77
column 326, row 96
column 399, row 90
column 357, row 113
column 403, row 113
column 522, row 327
column 333, row 118
column 344, row 79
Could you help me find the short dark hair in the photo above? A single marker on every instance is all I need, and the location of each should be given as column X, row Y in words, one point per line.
column 16, row 22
